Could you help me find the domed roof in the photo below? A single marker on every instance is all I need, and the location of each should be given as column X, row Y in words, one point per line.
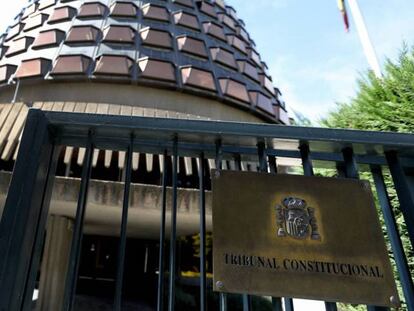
column 190, row 46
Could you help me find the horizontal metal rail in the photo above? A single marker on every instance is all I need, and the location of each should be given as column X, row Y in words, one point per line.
column 196, row 136
column 76, row 123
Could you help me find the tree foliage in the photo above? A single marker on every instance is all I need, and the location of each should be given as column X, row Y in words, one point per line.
column 383, row 104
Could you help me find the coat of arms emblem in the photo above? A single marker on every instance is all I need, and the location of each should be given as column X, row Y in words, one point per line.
column 297, row 220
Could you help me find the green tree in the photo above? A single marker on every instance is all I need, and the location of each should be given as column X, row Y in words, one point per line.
column 383, row 104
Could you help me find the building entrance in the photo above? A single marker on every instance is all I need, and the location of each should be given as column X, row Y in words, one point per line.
column 97, row 274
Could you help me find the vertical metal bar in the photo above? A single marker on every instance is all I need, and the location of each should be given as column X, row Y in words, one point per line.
column 351, row 168
column 146, row 259
column 41, row 228
column 160, row 294
column 124, row 222
column 26, row 205
column 262, row 157
column 272, row 164
column 375, row 308
column 405, row 196
column 340, row 168
column 203, row 280
column 288, row 304
column 277, row 304
column 219, row 155
column 330, row 306
column 308, row 171
column 247, row 302
column 75, row 251
column 306, row 159
column 223, row 302
column 393, row 235
column 173, row 236
column 351, row 171
column 237, row 160
column 219, row 165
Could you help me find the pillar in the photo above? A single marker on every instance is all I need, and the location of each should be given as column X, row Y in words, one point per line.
column 54, row 263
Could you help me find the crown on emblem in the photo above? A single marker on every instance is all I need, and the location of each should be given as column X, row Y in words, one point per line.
column 294, row 203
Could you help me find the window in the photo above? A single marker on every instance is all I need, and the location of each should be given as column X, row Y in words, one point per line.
column 48, row 38
column 188, row 3
column 29, row 10
column 14, row 31
column 119, row 34
column 6, row 72
column 71, row 64
column 243, row 33
column 186, row 20
column 83, row 34
column 19, row 46
column 237, row 43
column 262, row 102
column 156, row 69
column 46, row 3
column 192, row 46
column 248, row 69
column 234, row 89
column 207, row 8
column 62, row 14
column 227, row 20
column 231, row 12
column 114, row 65
column 198, row 78
column 254, row 56
column 156, row 12
column 157, row 38
column 223, row 57
column 214, row 30
column 92, row 9
column 123, row 9
column 220, row 3
column 33, row 68
column 267, row 83
column 35, row 21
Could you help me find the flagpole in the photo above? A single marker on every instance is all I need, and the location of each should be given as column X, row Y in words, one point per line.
column 364, row 37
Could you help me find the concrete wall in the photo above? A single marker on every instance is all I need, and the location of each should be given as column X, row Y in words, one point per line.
column 133, row 95
column 103, row 213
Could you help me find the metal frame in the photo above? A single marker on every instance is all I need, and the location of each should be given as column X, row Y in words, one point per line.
column 24, row 219
column 25, row 213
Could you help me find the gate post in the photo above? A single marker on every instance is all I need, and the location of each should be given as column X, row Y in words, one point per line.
column 23, row 223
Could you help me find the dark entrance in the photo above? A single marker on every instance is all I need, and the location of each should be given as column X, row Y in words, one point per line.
column 97, row 274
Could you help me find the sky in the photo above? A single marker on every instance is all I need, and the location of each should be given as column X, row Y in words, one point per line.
column 312, row 59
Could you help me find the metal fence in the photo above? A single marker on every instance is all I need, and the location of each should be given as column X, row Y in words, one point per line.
column 24, row 218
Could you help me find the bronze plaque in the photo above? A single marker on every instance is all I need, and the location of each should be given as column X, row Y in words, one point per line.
column 297, row 236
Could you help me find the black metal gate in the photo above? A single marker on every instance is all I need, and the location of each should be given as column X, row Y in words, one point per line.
column 24, row 218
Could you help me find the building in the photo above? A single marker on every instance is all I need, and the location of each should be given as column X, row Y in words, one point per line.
column 159, row 58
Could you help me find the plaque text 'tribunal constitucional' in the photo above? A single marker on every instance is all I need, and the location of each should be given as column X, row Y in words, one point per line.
column 301, row 237
column 304, row 266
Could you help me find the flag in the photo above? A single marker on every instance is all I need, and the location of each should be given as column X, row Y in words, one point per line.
column 342, row 8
